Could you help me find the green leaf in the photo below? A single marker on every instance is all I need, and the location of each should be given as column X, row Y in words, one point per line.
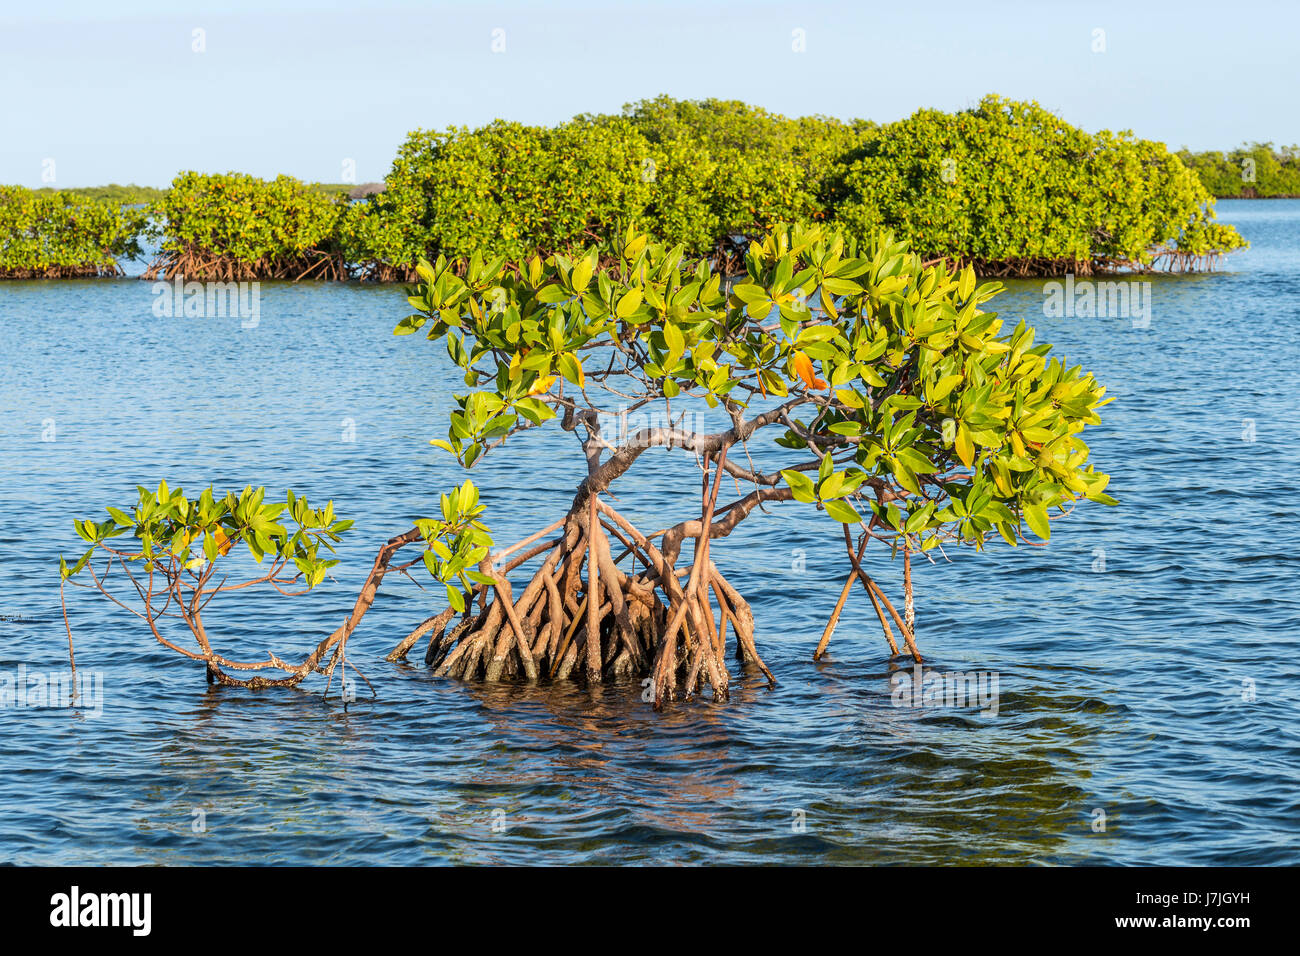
column 456, row 598
column 816, row 333
column 120, row 516
column 1036, row 518
column 628, row 304
column 535, row 410
column 939, row 391
column 832, row 487
column 841, row 286
column 842, row 512
column 750, row 294
column 801, row 485
column 571, row 369
column 915, row 461
column 552, row 294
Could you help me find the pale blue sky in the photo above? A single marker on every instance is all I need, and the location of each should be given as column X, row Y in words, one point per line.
column 113, row 92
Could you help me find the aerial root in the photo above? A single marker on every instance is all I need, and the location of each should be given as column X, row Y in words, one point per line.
column 588, row 616
column 202, row 265
column 879, row 602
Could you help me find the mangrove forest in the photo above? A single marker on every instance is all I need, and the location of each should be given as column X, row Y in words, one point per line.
column 1006, row 186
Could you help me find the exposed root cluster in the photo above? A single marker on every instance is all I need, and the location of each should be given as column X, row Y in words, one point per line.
column 727, row 258
column 384, row 272
column 1030, row 267
column 1176, row 260
column 204, row 266
column 584, row 615
column 1023, row 267
column 590, row 615
column 81, row 271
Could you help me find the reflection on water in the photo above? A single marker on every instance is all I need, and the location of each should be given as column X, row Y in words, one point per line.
column 1146, row 707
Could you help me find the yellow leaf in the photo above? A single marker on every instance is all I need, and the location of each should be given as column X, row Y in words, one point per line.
column 635, row 246
column 828, row 306
column 965, row 447
column 543, row 384
column 1017, row 445
column 581, row 274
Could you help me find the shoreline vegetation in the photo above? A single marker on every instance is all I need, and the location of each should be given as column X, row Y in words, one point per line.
column 1006, row 187
column 1251, row 171
column 59, row 235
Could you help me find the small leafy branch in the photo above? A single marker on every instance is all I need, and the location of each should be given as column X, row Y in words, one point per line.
column 182, row 547
column 456, row 545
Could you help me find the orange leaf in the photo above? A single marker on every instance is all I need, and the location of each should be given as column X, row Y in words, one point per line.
column 543, row 384
column 803, row 366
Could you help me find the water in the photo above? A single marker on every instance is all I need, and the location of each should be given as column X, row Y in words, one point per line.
column 1124, row 693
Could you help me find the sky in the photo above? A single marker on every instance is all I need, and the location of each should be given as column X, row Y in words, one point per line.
column 138, row 90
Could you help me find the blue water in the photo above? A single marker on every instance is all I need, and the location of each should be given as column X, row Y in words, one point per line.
column 1148, row 704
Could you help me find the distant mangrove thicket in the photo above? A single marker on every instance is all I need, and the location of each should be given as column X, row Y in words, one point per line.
column 1254, row 171
column 693, row 174
column 111, row 193
column 1014, row 190
column 235, row 227
column 61, row 236
column 1007, row 187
